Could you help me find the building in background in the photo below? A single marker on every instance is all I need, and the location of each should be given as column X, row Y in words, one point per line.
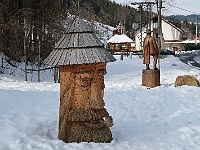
column 172, row 34
column 120, row 41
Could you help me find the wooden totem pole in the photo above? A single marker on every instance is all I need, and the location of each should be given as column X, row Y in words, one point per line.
column 82, row 60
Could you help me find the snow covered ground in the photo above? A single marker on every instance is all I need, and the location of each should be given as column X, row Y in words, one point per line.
column 197, row 59
column 161, row 118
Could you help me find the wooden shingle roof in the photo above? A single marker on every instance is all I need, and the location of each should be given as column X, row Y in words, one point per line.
column 79, row 26
column 79, row 46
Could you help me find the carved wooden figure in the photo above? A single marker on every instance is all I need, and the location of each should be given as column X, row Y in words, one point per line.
column 150, row 77
column 82, row 113
column 82, row 60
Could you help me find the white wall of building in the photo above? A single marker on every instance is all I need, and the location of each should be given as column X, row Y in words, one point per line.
column 137, row 38
column 170, row 32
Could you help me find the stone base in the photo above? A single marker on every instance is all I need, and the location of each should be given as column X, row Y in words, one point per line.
column 150, row 78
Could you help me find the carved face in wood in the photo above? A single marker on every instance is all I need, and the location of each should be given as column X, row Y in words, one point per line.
column 84, row 80
column 89, row 88
column 82, row 109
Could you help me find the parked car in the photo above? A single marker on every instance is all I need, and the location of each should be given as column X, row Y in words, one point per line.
column 167, row 52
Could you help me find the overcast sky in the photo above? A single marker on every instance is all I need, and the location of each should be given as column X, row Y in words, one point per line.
column 193, row 6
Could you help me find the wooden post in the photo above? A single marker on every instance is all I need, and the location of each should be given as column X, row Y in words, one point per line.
column 121, row 56
column 150, row 78
column 55, row 74
column 82, row 112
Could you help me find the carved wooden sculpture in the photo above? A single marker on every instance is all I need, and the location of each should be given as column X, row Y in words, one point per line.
column 150, row 77
column 82, row 112
column 150, row 48
column 82, row 61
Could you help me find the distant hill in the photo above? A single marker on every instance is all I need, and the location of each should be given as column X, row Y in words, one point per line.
column 190, row 18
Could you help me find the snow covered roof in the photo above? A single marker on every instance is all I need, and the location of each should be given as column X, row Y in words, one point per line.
column 119, row 39
column 190, row 41
column 174, row 25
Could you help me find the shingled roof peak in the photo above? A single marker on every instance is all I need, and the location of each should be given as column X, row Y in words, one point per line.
column 78, row 25
column 79, row 45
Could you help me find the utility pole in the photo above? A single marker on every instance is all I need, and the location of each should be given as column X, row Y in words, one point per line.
column 141, row 4
column 196, row 30
column 159, row 24
column 140, row 7
column 159, row 8
column 150, row 13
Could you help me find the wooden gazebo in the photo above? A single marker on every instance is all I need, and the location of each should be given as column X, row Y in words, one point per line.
column 82, row 60
column 120, row 42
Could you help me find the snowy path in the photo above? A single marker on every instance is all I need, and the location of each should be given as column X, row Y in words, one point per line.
column 162, row 118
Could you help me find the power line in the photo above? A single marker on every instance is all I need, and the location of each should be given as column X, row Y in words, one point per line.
column 141, row 6
column 183, row 9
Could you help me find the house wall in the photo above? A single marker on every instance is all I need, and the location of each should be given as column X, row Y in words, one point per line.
column 169, row 32
column 137, row 39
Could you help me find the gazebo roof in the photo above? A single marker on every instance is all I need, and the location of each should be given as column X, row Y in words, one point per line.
column 120, row 39
column 79, row 26
column 79, row 46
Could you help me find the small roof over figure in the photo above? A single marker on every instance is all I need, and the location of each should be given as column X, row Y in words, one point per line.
column 79, row 45
column 82, row 60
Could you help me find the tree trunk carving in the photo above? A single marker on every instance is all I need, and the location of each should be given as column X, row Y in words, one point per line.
column 82, row 116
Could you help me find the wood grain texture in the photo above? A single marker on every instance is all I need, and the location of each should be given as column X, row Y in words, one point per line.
column 82, row 112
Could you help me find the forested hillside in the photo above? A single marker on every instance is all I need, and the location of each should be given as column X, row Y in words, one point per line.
column 26, row 23
column 190, row 18
column 188, row 22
